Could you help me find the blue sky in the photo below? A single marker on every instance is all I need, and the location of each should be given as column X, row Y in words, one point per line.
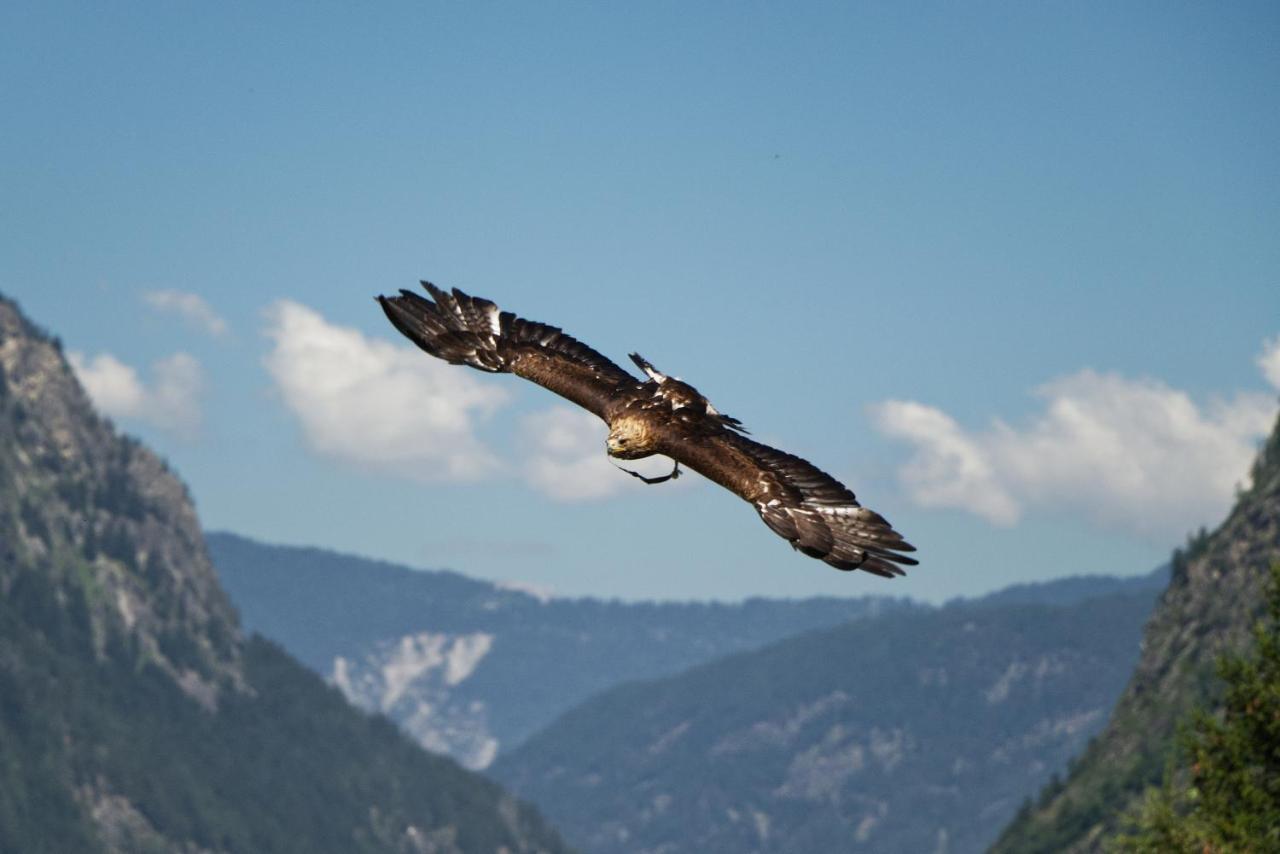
column 1010, row 271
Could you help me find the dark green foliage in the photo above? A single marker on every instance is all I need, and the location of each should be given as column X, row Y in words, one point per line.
column 40, row 646
column 290, row 767
column 118, row 492
column 33, row 520
column 117, row 544
column 74, row 492
column 1226, row 794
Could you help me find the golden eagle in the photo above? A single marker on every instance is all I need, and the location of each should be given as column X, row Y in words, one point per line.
column 810, row 509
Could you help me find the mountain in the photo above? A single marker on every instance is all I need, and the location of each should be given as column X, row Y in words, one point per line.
column 1213, row 598
column 134, row 714
column 470, row 668
column 913, row 731
column 1075, row 588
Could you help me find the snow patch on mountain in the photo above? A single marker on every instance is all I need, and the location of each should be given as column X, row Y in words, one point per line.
column 413, row 680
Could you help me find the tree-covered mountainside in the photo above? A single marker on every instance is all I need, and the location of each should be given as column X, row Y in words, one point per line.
column 1213, row 599
column 134, row 716
column 468, row 667
column 913, row 731
column 1223, row 791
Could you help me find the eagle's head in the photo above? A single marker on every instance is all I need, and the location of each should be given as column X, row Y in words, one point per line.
column 629, row 439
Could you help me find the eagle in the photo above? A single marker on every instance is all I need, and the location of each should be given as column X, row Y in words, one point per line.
column 661, row 414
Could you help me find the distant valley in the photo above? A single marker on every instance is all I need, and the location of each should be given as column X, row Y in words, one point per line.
column 922, row 730
column 763, row 726
column 470, row 668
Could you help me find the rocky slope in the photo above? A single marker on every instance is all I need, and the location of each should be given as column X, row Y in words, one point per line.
column 914, row 731
column 1213, row 598
column 134, row 716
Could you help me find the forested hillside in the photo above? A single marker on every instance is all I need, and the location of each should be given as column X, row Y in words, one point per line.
column 1212, row 601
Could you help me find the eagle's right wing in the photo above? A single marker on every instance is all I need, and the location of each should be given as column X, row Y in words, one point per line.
column 799, row 502
column 467, row 330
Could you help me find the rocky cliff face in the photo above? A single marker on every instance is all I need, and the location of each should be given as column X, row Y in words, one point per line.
column 134, row 716
column 412, row 680
column 100, row 512
column 1214, row 597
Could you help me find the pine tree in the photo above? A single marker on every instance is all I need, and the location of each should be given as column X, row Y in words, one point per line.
column 1226, row 798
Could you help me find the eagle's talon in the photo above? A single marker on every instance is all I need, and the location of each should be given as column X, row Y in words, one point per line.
column 675, row 473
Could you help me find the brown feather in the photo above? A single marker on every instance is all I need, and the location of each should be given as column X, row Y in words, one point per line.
column 813, row 511
column 799, row 502
column 460, row 329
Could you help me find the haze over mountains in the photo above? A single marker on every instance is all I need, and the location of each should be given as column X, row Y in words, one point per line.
column 470, row 668
column 918, row 731
column 853, row 718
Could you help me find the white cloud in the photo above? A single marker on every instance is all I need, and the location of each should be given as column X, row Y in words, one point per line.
column 950, row 468
column 386, row 407
column 190, row 307
column 1269, row 361
column 566, row 456
column 1131, row 454
column 171, row 401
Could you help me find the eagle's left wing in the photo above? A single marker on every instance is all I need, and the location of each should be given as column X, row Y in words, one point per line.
column 467, row 330
column 799, row 502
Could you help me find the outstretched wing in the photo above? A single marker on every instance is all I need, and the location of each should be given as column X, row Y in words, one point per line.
column 799, row 502
column 467, row 330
